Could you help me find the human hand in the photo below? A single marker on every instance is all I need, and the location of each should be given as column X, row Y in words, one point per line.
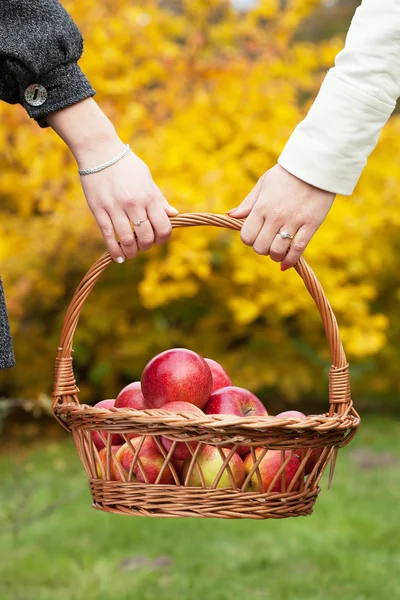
column 121, row 194
column 125, row 193
column 280, row 202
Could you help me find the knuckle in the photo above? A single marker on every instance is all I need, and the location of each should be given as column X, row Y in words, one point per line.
column 164, row 232
column 275, row 216
column 108, row 233
column 146, row 197
column 298, row 247
column 260, row 250
column 129, row 202
column 276, row 255
column 158, row 197
column 149, row 197
column 246, row 238
column 145, row 245
column 259, row 209
column 313, row 221
column 127, row 239
column 147, row 238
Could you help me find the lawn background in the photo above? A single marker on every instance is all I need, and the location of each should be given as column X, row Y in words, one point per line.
column 348, row 549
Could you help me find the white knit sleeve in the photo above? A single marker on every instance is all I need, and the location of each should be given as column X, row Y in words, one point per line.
column 330, row 147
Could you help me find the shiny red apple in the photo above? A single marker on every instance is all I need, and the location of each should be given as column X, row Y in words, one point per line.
column 131, row 397
column 315, row 454
column 116, row 439
column 294, row 414
column 232, row 400
column 219, row 375
column 151, row 460
column 181, row 451
column 101, row 465
column 176, row 374
column 268, row 468
column 312, row 459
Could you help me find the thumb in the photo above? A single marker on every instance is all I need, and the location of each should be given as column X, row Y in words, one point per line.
column 170, row 210
column 244, row 209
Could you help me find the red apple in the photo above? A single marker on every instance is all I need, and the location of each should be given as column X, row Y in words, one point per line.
column 312, row 459
column 151, row 459
column 115, row 475
column 237, row 401
column 181, row 451
column 116, row 439
column 294, row 414
column 316, row 453
column 210, row 462
column 219, row 376
column 131, row 397
column 177, row 374
column 232, row 400
column 269, row 467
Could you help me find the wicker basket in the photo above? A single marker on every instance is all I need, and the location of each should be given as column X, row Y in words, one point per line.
column 128, row 496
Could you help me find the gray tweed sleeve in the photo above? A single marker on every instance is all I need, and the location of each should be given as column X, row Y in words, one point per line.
column 40, row 44
column 6, row 349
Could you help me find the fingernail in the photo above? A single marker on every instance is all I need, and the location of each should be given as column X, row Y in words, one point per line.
column 228, row 212
column 120, row 260
column 174, row 209
column 284, row 267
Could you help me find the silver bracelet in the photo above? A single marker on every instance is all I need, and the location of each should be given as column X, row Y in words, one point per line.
column 107, row 164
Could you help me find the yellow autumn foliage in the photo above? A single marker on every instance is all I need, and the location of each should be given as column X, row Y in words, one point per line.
column 207, row 96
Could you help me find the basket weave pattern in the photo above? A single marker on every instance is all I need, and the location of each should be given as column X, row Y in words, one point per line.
column 136, row 496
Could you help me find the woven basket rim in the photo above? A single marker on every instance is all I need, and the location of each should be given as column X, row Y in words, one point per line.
column 99, row 417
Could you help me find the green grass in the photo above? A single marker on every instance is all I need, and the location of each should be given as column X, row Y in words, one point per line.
column 349, row 549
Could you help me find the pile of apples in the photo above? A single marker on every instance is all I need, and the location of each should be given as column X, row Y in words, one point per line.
column 179, row 380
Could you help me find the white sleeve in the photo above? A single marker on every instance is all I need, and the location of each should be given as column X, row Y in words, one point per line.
column 330, row 147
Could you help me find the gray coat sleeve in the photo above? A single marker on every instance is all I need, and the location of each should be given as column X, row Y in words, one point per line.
column 6, row 349
column 40, row 44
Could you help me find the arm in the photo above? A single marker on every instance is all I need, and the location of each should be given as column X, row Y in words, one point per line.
column 329, row 149
column 120, row 195
column 40, row 45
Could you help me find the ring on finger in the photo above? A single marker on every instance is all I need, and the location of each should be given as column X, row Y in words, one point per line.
column 281, row 244
column 285, row 235
column 137, row 223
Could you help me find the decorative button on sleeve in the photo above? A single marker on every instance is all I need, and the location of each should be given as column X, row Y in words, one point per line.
column 35, row 94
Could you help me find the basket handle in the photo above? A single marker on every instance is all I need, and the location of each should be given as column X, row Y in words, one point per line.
column 65, row 388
